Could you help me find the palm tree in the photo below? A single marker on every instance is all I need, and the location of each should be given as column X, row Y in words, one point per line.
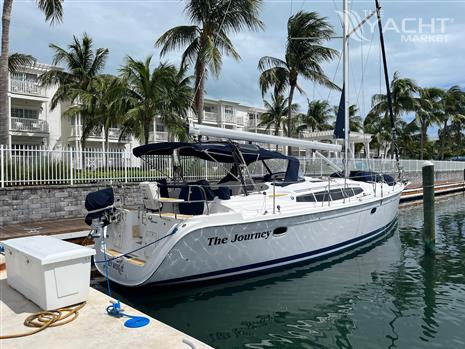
column 403, row 97
column 82, row 65
column 163, row 91
column 276, row 114
column 53, row 11
column 428, row 111
column 99, row 106
column 453, row 108
column 408, row 139
column 403, row 92
column 206, row 40
column 355, row 120
column 306, row 34
column 317, row 118
column 379, row 127
column 176, row 104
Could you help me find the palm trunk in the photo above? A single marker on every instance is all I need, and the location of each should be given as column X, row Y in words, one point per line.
column 147, row 131
column 4, row 105
column 199, row 88
column 422, row 139
column 289, row 116
column 443, row 139
column 276, row 133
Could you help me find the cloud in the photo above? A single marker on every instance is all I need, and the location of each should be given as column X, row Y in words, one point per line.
column 131, row 28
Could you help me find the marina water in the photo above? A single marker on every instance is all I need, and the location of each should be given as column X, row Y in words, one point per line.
column 386, row 294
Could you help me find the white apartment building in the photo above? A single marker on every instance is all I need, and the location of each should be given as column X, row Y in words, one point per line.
column 32, row 122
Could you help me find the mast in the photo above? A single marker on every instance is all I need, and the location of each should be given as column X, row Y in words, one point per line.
column 388, row 88
column 345, row 56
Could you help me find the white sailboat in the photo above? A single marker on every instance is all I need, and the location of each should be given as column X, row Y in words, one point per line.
column 194, row 231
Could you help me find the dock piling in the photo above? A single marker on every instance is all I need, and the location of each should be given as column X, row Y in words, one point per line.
column 429, row 234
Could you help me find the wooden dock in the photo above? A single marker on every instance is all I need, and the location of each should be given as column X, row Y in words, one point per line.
column 443, row 188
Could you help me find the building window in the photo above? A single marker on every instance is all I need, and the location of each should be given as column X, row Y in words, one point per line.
column 228, row 110
column 160, row 128
column 24, row 113
column 208, row 109
column 251, row 116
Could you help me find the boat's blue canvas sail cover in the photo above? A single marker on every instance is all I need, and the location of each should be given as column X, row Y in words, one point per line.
column 220, row 152
column 340, row 120
column 292, row 172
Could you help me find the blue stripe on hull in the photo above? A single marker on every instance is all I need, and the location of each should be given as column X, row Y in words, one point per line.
column 276, row 263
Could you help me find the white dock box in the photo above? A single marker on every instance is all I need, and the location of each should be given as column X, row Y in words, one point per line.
column 50, row 272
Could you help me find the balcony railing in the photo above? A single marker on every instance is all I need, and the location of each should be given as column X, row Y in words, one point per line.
column 113, row 133
column 29, row 125
column 159, row 136
column 209, row 116
column 26, row 87
column 230, row 118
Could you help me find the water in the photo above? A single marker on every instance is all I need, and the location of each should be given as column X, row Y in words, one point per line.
column 384, row 295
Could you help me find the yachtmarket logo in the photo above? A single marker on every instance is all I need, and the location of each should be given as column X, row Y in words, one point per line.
column 410, row 29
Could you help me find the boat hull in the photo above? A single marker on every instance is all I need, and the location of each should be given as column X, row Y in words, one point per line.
column 219, row 247
column 225, row 251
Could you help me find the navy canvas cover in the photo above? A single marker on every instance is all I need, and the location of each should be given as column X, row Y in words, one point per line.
column 339, row 130
column 98, row 200
column 222, row 152
column 367, row 176
column 191, row 194
column 217, row 151
column 292, row 172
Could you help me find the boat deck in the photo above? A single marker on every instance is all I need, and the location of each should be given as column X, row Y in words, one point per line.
column 93, row 328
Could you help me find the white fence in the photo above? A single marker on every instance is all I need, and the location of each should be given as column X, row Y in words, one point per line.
column 34, row 165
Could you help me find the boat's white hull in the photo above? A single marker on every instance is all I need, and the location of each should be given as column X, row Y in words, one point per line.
column 214, row 249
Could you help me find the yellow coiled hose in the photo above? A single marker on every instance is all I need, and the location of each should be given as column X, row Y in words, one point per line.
column 51, row 318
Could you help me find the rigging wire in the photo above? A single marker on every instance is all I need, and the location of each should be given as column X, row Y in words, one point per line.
column 362, row 82
column 364, row 65
column 334, row 76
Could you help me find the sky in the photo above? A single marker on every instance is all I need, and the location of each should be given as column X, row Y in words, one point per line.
column 424, row 41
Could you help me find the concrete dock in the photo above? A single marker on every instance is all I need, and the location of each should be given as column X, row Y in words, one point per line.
column 93, row 328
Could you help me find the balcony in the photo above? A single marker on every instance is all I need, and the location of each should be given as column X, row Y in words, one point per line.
column 114, row 134
column 27, row 88
column 230, row 118
column 210, row 117
column 159, row 136
column 255, row 124
column 29, row 125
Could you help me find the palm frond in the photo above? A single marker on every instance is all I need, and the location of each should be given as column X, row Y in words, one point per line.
column 17, row 60
column 177, row 37
column 52, row 9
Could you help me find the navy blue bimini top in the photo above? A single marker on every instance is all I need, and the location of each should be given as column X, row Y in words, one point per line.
column 221, row 152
